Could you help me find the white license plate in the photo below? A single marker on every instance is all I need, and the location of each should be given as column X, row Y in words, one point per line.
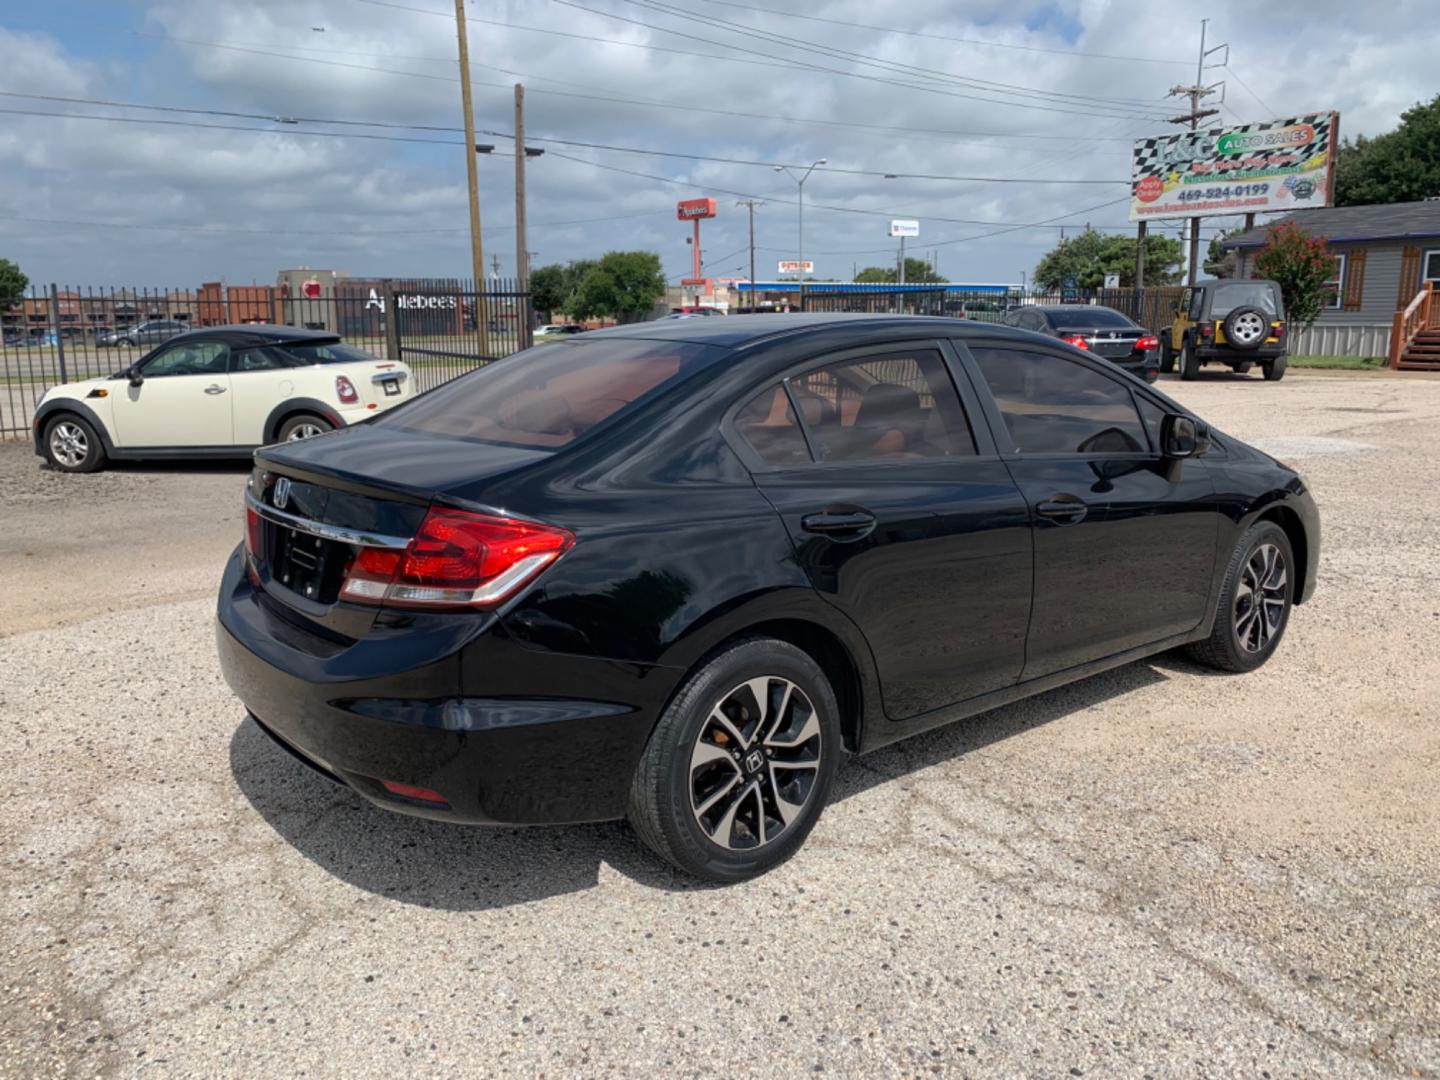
column 392, row 387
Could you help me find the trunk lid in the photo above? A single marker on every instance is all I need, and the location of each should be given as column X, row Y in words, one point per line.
column 320, row 500
column 1112, row 343
column 380, row 383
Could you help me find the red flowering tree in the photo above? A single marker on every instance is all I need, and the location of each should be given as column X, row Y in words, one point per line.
column 1297, row 259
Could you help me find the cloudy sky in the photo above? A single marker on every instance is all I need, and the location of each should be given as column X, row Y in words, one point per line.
column 1044, row 96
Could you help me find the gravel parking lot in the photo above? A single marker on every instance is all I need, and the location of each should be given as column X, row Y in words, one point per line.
column 1159, row 871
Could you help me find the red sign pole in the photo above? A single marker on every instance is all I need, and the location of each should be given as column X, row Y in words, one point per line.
column 695, row 254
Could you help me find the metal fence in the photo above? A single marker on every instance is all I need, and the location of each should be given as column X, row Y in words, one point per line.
column 1153, row 307
column 440, row 327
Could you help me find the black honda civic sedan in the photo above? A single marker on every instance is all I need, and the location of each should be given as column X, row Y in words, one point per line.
column 679, row 571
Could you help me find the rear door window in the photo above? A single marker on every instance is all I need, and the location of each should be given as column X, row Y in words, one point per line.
column 548, row 396
column 892, row 406
column 1236, row 294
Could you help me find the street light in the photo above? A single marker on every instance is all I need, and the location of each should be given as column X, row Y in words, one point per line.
column 800, row 210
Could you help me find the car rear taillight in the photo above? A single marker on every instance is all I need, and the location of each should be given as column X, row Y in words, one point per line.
column 345, row 390
column 456, row 559
column 1078, row 340
column 1145, row 344
column 1279, row 331
column 1208, row 330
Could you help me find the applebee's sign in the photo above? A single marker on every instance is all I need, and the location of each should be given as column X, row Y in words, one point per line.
column 413, row 302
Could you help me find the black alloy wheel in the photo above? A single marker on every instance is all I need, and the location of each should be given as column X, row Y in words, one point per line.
column 741, row 763
column 1255, row 602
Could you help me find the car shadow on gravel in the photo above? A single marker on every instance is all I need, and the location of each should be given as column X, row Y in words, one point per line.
column 474, row 868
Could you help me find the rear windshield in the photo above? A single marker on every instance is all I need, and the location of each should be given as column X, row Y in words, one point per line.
column 1244, row 294
column 329, row 353
column 1085, row 318
column 548, row 396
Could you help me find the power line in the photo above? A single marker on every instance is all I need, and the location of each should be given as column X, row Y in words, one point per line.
column 947, row 37
column 789, row 62
column 1110, row 111
column 870, row 60
column 1246, row 87
column 289, row 120
column 668, row 106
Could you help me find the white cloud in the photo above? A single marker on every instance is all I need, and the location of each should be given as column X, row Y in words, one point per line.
column 383, row 207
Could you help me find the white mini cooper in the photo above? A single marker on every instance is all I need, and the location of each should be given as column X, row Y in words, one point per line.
column 217, row 392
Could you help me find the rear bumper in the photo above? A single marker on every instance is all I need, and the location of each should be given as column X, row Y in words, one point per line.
column 539, row 738
column 1231, row 355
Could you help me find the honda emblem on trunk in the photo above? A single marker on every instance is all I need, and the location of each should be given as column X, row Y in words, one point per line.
column 282, row 493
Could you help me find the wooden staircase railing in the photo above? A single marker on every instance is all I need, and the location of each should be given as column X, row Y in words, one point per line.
column 1422, row 313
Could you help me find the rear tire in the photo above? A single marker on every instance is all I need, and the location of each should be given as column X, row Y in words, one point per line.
column 1189, row 362
column 725, row 794
column 1274, row 370
column 72, row 445
column 1255, row 602
column 303, row 426
column 1167, row 356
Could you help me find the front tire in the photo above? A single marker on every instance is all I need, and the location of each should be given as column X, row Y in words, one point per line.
column 741, row 763
column 1167, row 356
column 72, row 445
column 303, row 426
column 1274, row 370
column 1255, row 602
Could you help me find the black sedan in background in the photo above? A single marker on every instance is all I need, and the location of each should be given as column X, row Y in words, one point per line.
column 678, row 571
column 1101, row 330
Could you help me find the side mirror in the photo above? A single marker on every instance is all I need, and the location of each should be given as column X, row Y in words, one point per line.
column 1180, row 436
column 135, row 377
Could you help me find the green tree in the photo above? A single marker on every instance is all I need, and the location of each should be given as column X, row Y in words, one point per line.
column 1087, row 258
column 12, row 283
column 1219, row 262
column 622, row 285
column 553, row 287
column 917, row 271
column 1298, row 260
column 1400, row 166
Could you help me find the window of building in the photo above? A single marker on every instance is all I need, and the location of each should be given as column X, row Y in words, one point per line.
column 1336, row 285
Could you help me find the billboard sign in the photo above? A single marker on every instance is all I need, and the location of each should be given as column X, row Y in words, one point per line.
column 1280, row 165
column 904, row 227
column 791, row 266
column 694, row 209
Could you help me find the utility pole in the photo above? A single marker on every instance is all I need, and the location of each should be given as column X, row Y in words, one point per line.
column 750, row 205
column 495, row 265
column 522, row 254
column 477, row 251
column 1197, row 93
column 800, row 214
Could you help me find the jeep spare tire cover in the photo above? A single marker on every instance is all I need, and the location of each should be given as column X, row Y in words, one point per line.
column 1246, row 328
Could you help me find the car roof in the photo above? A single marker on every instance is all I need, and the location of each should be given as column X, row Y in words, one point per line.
column 257, row 334
column 742, row 331
column 1070, row 309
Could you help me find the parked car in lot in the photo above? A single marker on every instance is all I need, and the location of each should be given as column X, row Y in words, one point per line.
column 1239, row 323
column 145, row 333
column 217, row 392
column 1103, row 331
column 556, row 331
column 677, row 571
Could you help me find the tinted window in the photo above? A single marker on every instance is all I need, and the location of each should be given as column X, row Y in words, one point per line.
column 552, row 394
column 1053, row 405
column 1152, row 415
column 1084, row 318
column 1243, row 294
column 330, row 352
column 263, row 358
column 192, row 358
column 901, row 405
column 768, row 424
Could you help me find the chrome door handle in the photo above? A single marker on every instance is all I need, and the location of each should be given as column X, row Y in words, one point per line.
column 214, row 389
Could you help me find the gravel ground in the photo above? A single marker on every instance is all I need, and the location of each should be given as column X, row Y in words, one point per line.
column 1158, row 871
